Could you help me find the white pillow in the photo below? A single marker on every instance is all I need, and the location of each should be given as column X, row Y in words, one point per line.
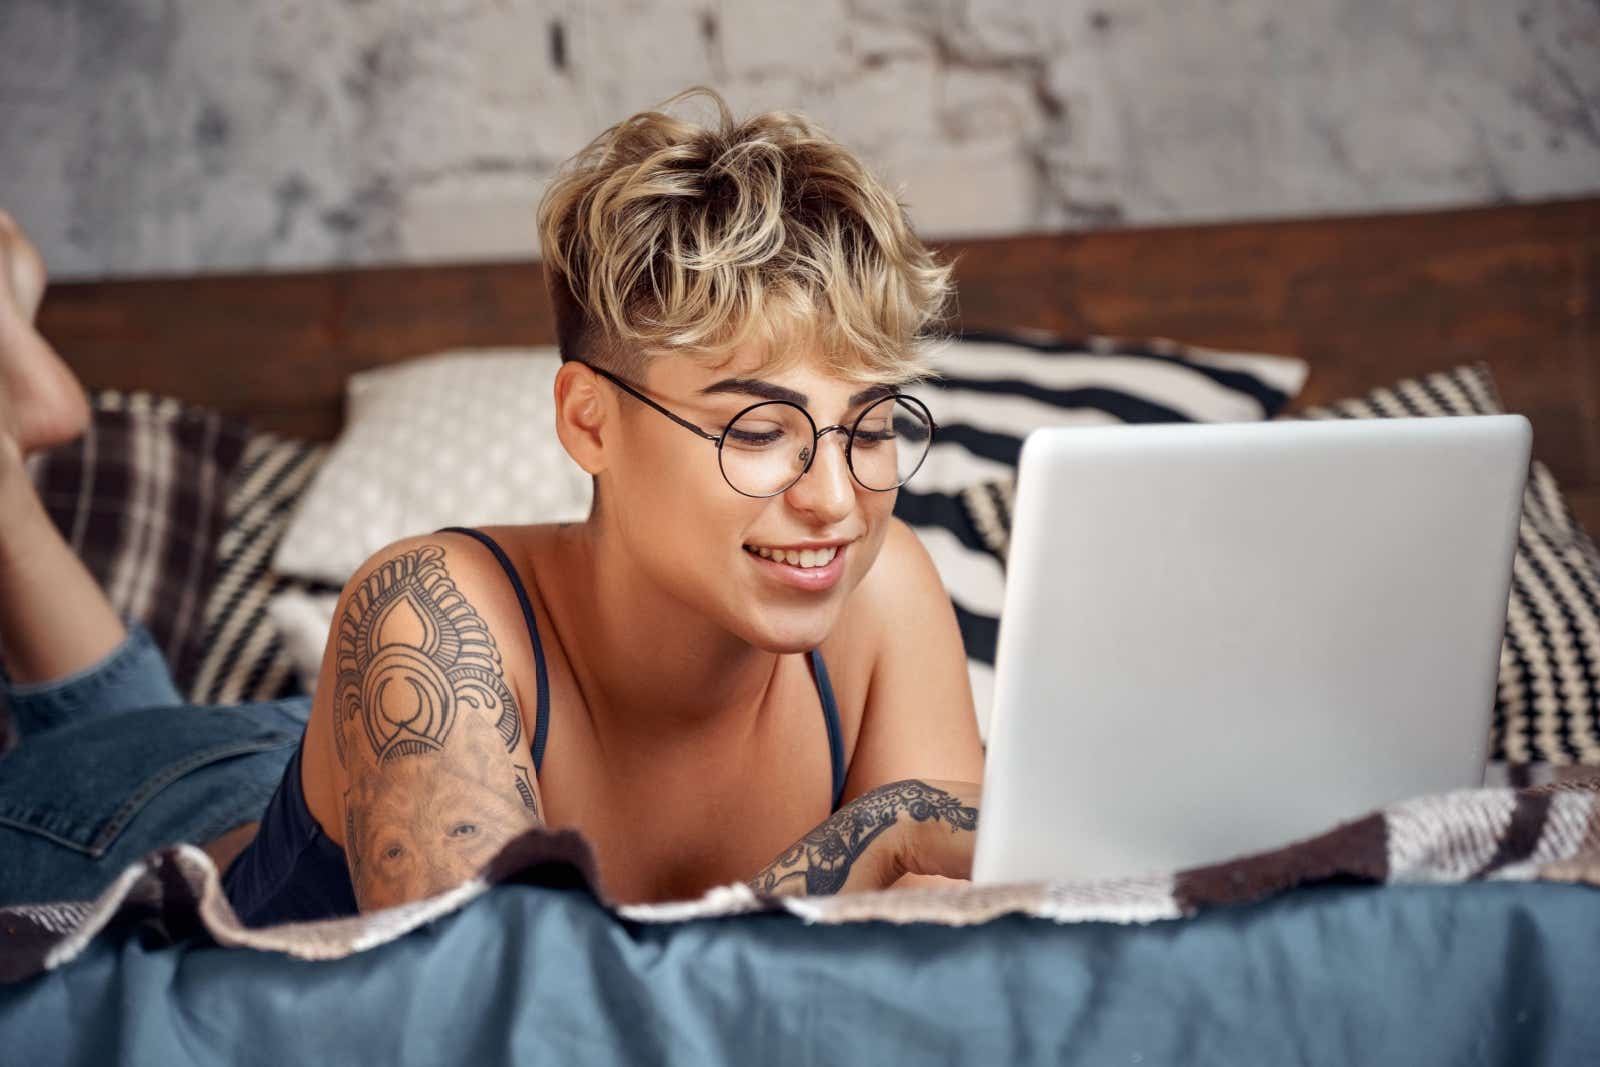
column 304, row 621
column 456, row 439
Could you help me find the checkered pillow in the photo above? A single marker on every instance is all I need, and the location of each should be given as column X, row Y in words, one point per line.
column 140, row 498
column 177, row 511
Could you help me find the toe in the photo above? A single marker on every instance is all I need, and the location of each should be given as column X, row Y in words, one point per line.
column 24, row 270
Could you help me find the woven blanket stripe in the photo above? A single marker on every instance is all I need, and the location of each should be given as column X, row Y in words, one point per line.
column 1549, row 833
column 245, row 659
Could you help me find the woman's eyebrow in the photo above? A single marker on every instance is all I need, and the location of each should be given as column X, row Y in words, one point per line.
column 755, row 387
column 872, row 392
column 768, row 391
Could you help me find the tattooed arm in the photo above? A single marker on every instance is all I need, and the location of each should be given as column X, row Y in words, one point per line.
column 438, row 769
column 910, row 826
column 918, row 721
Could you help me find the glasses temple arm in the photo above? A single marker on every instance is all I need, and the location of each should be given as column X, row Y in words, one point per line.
column 631, row 391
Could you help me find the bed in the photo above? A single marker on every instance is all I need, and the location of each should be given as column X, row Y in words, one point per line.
column 1448, row 929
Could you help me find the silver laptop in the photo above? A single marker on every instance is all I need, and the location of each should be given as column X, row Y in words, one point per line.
column 1218, row 639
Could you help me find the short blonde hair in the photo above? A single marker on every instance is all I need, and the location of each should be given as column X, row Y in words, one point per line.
column 663, row 235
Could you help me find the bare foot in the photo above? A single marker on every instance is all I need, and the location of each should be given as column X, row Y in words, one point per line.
column 41, row 402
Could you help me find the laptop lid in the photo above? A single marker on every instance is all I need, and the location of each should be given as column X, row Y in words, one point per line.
column 1217, row 639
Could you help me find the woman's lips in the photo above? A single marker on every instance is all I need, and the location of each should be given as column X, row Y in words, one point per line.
column 812, row 579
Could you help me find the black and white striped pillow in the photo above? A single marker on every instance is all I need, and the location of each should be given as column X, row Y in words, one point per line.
column 995, row 389
column 245, row 657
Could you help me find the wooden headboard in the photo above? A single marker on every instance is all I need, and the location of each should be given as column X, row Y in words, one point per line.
column 1366, row 300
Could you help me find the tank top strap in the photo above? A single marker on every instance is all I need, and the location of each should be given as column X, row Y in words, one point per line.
column 542, row 717
column 830, row 715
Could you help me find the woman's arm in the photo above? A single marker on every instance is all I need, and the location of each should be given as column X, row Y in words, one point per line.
column 436, row 765
column 906, row 827
column 918, row 733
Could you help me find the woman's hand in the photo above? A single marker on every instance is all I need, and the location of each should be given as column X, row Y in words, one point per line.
column 942, row 844
column 911, row 826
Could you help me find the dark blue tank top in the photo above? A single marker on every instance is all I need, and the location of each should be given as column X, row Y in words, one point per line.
column 293, row 872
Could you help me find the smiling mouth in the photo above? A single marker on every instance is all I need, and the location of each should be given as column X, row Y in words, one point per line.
column 804, row 558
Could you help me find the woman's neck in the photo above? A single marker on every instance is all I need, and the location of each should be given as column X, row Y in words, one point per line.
column 648, row 665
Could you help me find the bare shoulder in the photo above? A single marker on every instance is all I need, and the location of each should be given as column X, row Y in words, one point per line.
column 901, row 651
column 903, row 563
column 429, row 769
column 903, row 575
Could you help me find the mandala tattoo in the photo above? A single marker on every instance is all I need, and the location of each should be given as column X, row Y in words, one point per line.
column 411, row 653
column 822, row 859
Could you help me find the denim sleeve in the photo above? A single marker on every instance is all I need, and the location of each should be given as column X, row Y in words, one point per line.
column 132, row 675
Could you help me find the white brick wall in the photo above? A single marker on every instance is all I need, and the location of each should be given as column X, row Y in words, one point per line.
column 151, row 136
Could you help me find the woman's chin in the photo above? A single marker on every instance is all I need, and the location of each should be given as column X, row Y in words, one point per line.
column 789, row 635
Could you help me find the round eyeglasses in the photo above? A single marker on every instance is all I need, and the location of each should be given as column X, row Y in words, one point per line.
column 768, row 447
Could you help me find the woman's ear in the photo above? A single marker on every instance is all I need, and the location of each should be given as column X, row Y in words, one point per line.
column 581, row 416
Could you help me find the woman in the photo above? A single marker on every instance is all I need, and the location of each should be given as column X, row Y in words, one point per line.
column 740, row 655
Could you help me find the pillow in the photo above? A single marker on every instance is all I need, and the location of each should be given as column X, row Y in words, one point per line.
column 1547, row 703
column 303, row 619
column 141, row 499
column 994, row 389
column 457, row 439
column 997, row 388
column 246, row 658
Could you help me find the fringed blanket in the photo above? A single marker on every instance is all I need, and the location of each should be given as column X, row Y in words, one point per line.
column 1547, row 833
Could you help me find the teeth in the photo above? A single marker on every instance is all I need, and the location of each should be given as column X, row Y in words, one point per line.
column 808, row 557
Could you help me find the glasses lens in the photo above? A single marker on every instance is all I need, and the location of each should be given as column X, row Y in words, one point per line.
column 890, row 442
column 765, row 449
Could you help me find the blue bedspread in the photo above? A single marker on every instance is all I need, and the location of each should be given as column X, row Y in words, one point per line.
column 1483, row 972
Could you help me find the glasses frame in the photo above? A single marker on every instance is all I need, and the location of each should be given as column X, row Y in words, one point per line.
column 816, row 434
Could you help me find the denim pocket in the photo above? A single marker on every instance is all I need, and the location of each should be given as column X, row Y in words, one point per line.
column 80, row 785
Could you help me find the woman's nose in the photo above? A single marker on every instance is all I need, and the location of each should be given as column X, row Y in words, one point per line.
column 827, row 489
